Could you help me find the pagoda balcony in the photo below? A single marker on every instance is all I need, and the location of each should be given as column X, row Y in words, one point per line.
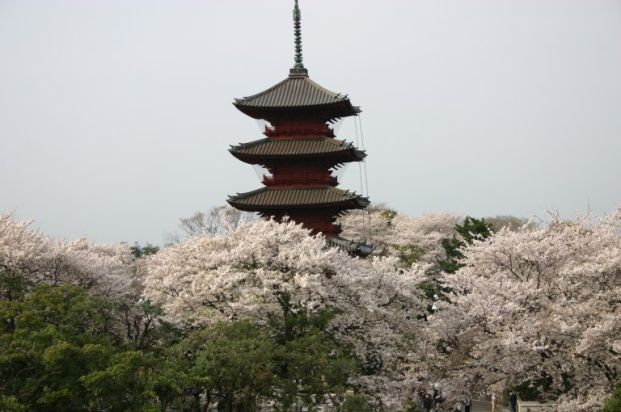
column 307, row 180
column 302, row 129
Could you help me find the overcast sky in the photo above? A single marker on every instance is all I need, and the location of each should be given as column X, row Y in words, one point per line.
column 116, row 115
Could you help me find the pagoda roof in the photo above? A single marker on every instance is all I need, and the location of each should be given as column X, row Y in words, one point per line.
column 323, row 146
column 296, row 92
column 271, row 198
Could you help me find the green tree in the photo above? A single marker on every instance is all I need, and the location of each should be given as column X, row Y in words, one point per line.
column 408, row 253
column 59, row 342
column 123, row 385
column 472, row 229
column 54, row 339
column 229, row 364
column 10, row 404
column 142, row 324
column 143, row 251
column 614, row 403
column 311, row 364
column 356, row 403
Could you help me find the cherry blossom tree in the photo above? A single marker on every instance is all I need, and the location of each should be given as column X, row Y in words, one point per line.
column 533, row 306
column 28, row 258
column 413, row 239
column 263, row 269
column 541, row 307
column 218, row 220
column 21, row 251
column 26, row 253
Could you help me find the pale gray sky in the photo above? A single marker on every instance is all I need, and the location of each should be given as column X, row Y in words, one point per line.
column 116, row 115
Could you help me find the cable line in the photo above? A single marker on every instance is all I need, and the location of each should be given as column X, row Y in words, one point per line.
column 364, row 228
column 366, row 178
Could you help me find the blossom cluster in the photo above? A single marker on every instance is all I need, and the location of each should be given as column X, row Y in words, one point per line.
column 535, row 305
column 247, row 273
column 540, row 306
column 393, row 231
column 24, row 251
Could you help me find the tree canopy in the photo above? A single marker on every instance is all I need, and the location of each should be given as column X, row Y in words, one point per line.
column 262, row 313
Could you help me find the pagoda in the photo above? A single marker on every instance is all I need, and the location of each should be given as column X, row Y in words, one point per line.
column 300, row 150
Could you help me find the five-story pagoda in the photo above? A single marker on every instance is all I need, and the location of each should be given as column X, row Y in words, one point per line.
column 300, row 150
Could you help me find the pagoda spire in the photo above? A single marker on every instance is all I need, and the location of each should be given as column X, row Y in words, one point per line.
column 298, row 67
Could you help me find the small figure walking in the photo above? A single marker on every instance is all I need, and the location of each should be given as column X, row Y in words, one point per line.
column 513, row 401
column 467, row 405
column 493, row 401
column 427, row 402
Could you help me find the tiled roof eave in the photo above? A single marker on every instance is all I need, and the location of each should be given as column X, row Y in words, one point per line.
column 347, row 204
column 338, row 103
column 297, row 198
column 321, row 148
column 330, row 111
column 344, row 156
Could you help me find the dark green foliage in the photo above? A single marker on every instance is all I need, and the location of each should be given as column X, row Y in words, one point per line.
column 310, row 363
column 408, row 254
column 230, row 364
column 13, row 286
column 10, row 404
column 123, row 384
column 430, row 288
column 356, row 403
column 142, row 325
column 66, row 350
column 613, row 404
column 388, row 214
column 294, row 363
column 143, row 251
column 59, row 335
column 451, row 263
column 472, row 229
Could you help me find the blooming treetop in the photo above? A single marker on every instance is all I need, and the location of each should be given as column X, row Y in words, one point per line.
column 26, row 252
column 538, row 305
column 217, row 220
column 246, row 274
column 395, row 231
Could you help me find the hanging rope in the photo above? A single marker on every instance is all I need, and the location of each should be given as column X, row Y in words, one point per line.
column 360, row 171
column 363, row 168
column 364, row 189
column 364, row 161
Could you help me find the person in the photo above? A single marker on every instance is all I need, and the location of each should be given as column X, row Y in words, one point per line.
column 513, row 401
column 436, row 393
column 427, row 402
column 435, row 397
column 493, row 401
column 467, row 405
